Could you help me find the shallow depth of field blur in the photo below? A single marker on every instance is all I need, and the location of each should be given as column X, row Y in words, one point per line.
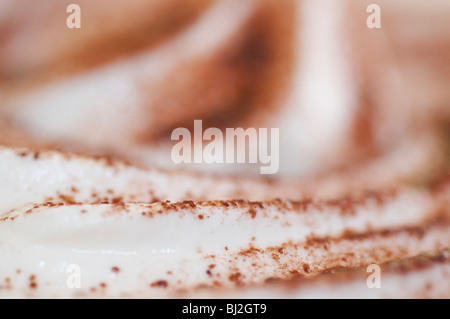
column 340, row 92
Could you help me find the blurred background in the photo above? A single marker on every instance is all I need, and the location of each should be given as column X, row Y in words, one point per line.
column 341, row 93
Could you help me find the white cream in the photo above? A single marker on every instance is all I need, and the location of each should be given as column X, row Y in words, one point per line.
column 431, row 281
column 176, row 246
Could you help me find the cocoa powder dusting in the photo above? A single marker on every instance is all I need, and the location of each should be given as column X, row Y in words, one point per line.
column 159, row 284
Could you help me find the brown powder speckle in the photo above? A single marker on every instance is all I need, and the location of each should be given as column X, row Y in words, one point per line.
column 117, row 200
column 33, row 284
column 115, row 269
column 236, row 278
column 159, row 284
column 67, row 199
column 306, row 268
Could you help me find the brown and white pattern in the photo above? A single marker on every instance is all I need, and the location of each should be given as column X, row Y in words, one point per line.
column 86, row 178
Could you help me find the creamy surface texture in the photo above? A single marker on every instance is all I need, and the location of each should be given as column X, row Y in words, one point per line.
column 92, row 205
column 117, row 248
